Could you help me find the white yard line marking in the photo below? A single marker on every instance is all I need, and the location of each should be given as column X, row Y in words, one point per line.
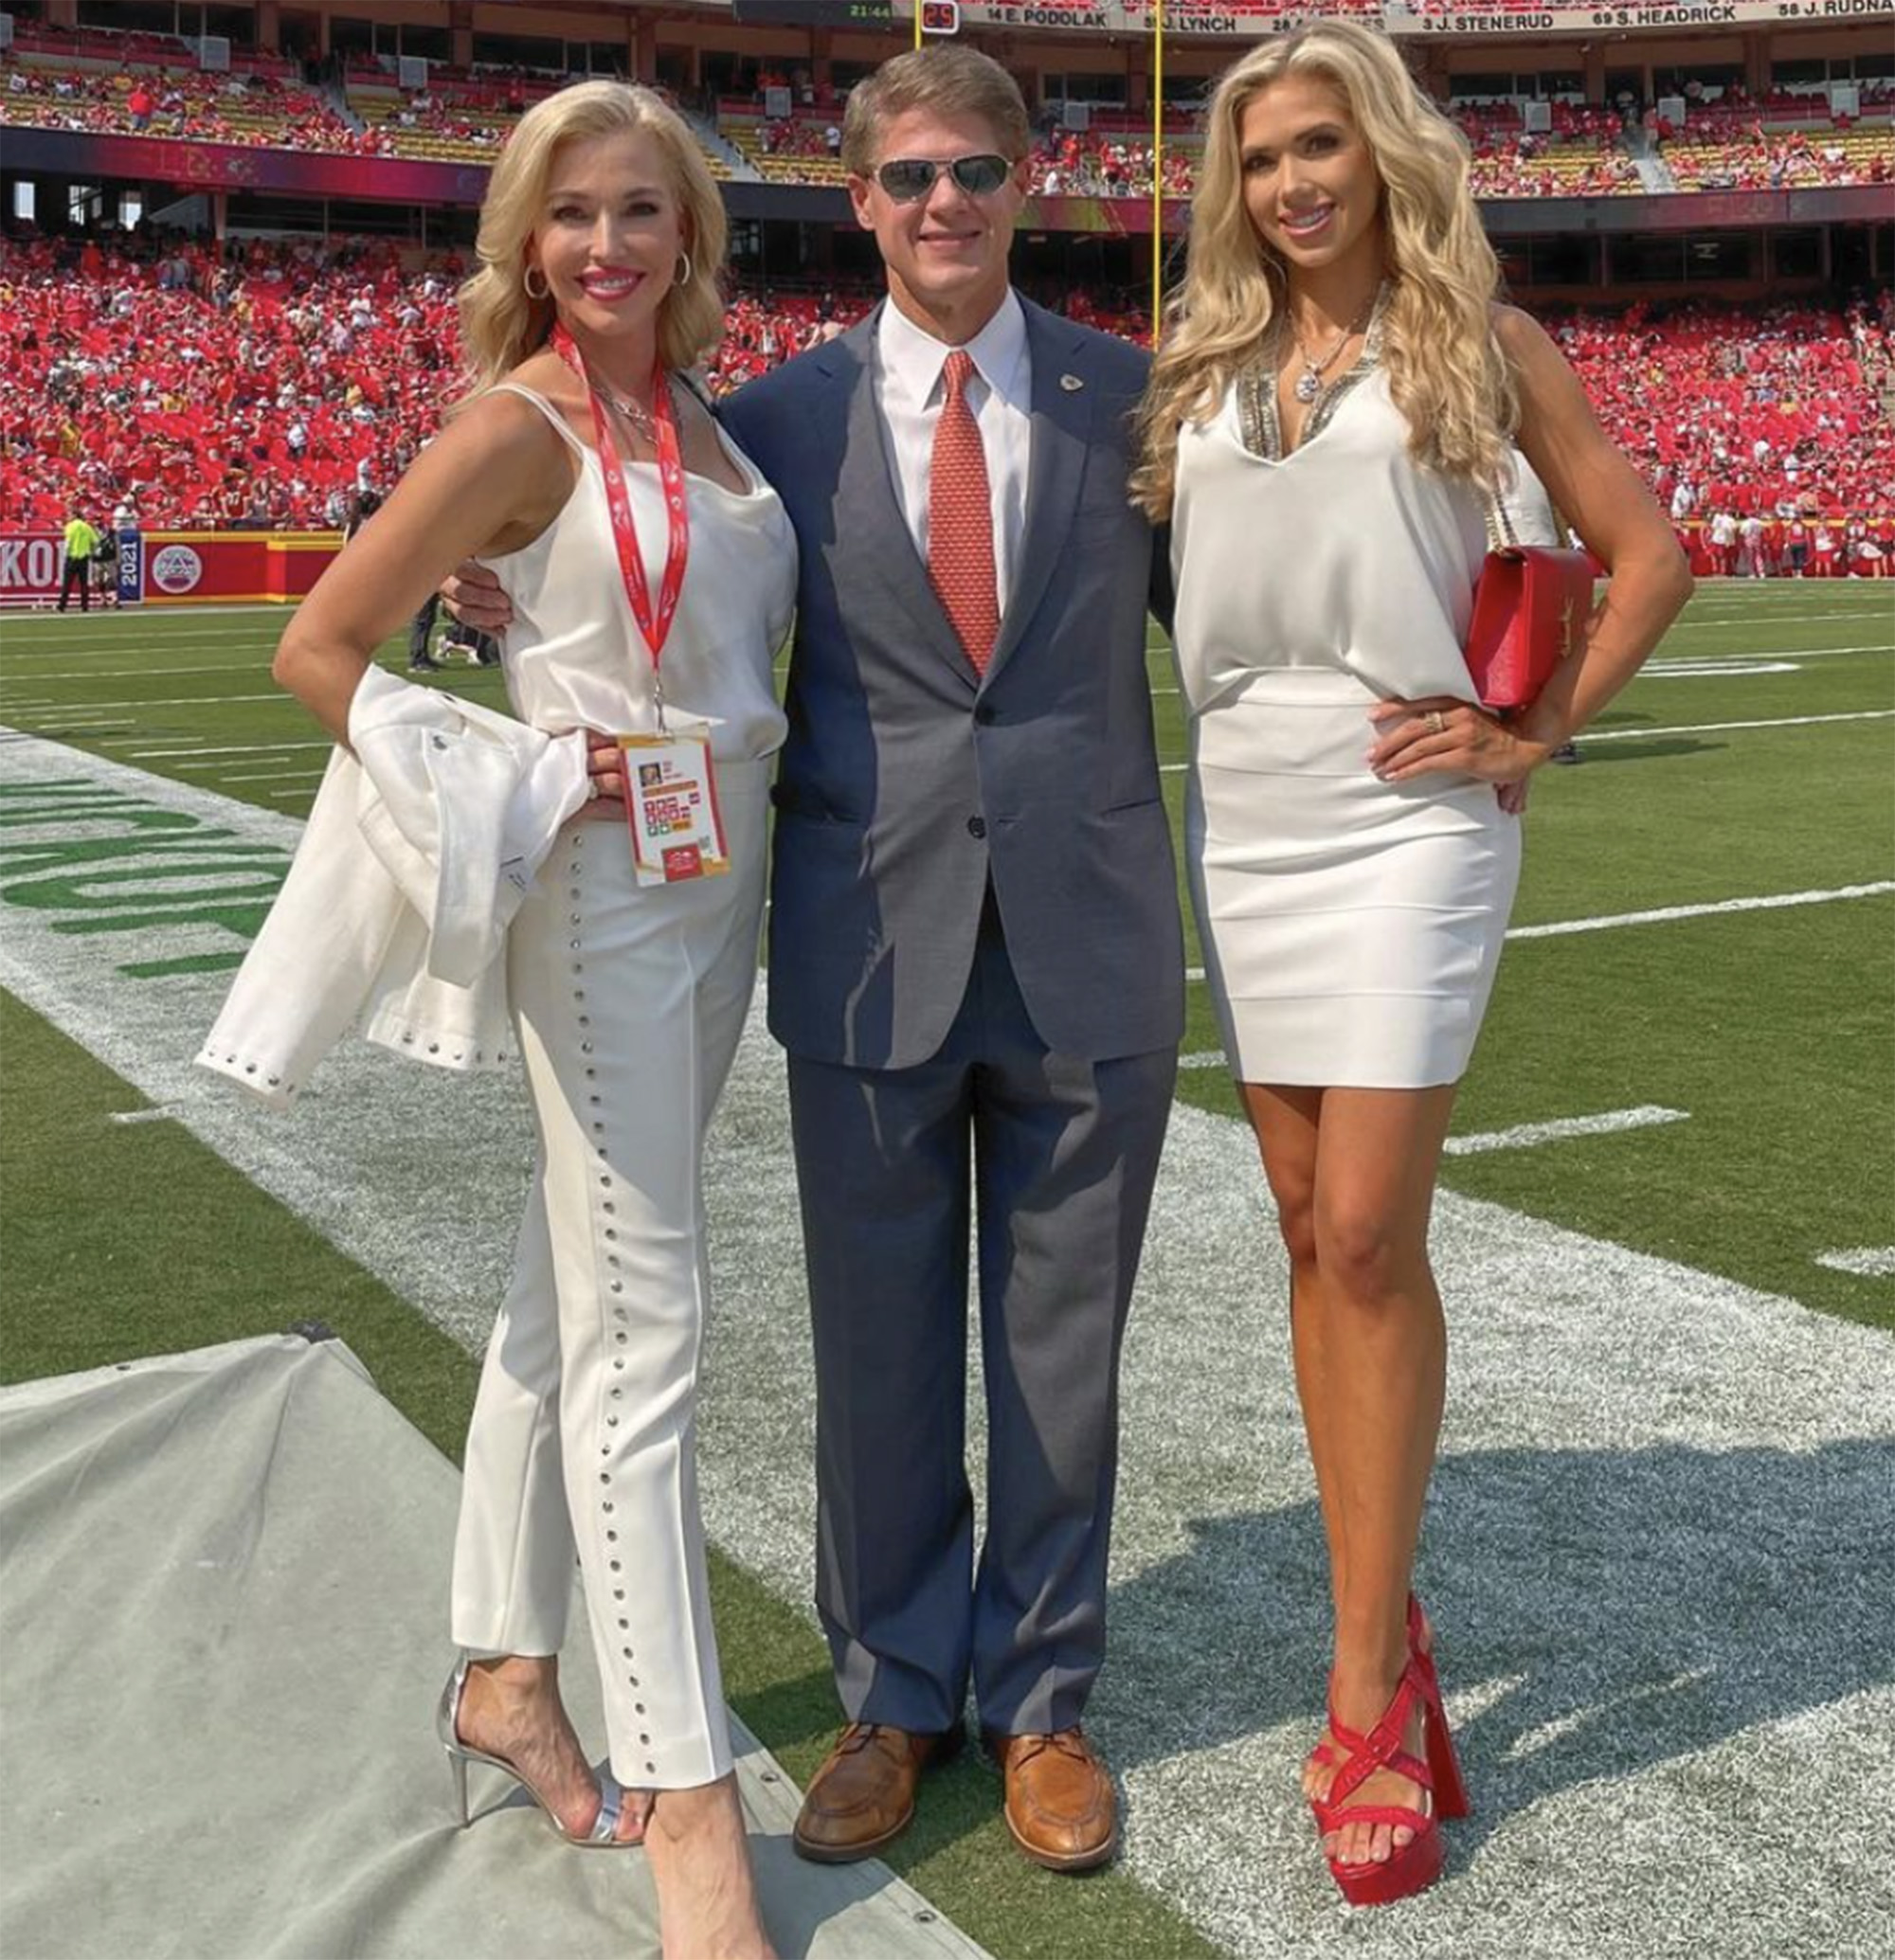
column 1723, row 622
column 228, row 749
column 282, row 775
column 1664, row 914
column 1788, row 721
column 183, row 701
column 113, row 642
column 1204, row 1057
column 155, row 1115
column 1738, row 656
column 1523, row 1136
column 1871, row 1262
column 124, row 616
column 140, row 672
column 1701, row 670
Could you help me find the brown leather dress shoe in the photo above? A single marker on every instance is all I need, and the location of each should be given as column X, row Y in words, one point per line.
column 863, row 1795
column 1060, row 1804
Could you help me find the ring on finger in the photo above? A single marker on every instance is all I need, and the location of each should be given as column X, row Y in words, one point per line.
column 593, row 789
column 1438, row 722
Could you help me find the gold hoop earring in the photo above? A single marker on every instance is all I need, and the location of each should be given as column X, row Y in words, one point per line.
column 683, row 279
column 527, row 284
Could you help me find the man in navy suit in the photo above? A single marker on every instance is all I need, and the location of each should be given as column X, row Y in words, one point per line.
column 976, row 964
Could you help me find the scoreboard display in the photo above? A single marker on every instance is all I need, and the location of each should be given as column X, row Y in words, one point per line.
column 814, row 14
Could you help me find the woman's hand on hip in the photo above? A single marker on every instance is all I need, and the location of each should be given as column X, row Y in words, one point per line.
column 1441, row 733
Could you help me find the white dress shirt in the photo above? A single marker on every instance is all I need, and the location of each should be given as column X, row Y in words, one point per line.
column 1001, row 398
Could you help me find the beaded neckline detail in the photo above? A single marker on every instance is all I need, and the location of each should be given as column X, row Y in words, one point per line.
column 1260, row 425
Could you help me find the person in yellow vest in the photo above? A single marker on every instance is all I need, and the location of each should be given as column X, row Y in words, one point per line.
column 82, row 541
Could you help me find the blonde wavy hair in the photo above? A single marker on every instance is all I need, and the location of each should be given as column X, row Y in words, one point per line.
column 1445, row 369
column 501, row 322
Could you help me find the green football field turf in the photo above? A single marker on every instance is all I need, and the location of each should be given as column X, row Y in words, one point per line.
column 1752, row 761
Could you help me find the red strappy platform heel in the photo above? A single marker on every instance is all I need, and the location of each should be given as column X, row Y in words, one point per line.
column 1322, row 1757
column 1416, row 1865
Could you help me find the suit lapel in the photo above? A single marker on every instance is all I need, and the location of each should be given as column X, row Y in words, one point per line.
column 1061, row 442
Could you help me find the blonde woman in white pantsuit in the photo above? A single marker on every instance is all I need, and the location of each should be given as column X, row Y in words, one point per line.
column 580, row 460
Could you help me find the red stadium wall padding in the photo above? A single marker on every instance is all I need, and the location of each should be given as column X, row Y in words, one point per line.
column 183, row 568
column 224, row 568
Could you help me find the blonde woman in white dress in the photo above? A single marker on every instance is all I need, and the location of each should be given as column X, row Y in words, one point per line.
column 602, row 238
column 1334, row 402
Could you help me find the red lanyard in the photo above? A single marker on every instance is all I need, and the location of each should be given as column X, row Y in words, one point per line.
column 656, row 626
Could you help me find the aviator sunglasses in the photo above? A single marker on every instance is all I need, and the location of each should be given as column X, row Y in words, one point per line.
column 906, row 178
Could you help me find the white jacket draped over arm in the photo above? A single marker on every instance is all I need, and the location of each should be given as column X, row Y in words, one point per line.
column 395, row 914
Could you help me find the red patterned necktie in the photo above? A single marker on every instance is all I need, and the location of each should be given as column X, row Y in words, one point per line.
column 961, row 519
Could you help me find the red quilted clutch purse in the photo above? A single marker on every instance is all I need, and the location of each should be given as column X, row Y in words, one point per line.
column 1531, row 606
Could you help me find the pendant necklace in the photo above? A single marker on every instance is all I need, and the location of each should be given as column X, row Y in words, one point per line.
column 640, row 417
column 1308, row 385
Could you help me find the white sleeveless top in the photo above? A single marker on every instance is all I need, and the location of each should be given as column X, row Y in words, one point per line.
column 574, row 657
column 1344, row 555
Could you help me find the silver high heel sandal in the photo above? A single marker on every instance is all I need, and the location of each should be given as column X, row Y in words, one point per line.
column 604, row 1834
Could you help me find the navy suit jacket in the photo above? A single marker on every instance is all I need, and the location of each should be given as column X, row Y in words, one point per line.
column 908, row 783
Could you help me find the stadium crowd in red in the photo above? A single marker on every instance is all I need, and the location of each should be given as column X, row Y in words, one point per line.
column 267, row 385
column 262, row 387
column 1751, row 428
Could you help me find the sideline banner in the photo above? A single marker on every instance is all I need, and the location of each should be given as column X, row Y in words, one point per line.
column 177, row 568
column 1462, row 17
column 29, row 568
column 1235, row 20
column 128, row 553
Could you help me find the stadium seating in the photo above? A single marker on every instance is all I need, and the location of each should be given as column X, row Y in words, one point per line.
column 1100, row 164
column 93, row 78
column 1781, row 160
column 464, row 116
column 267, row 385
column 163, row 93
column 787, row 150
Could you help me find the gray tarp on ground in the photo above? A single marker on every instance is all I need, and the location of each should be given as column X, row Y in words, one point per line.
column 222, row 1585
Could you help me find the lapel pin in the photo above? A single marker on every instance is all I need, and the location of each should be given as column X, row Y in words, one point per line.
column 1071, row 383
